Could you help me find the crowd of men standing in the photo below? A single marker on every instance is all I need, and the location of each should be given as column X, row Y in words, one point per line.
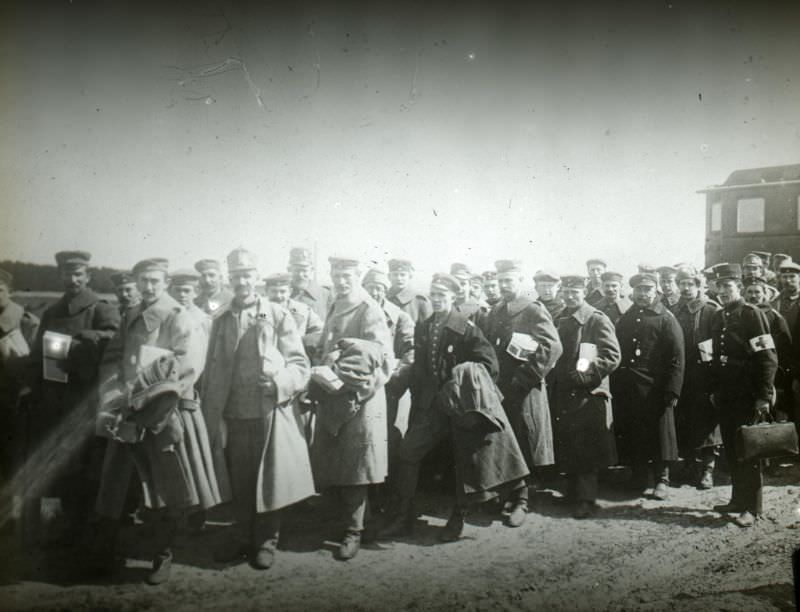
column 205, row 391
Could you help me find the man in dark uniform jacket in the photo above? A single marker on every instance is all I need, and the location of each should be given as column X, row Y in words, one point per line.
column 696, row 418
column 788, row 305
column 547, row 283
column 402, row 294
column 301, row 266
column 582, row 428
column 613, row 304
column 755, row 293
column 444, row 340
column 594, row 289
column 744, row 366
column 127, row 292
column 520, row 378
column 90, row 323
column 647, row 385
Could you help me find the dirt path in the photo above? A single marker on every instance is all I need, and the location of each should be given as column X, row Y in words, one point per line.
column 636, row 554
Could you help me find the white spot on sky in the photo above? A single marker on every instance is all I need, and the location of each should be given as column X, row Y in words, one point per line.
column 470, row 56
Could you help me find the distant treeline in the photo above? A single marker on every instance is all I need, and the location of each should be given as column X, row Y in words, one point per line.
column 44, row 277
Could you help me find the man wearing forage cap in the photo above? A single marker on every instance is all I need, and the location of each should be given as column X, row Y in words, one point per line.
column 213, row 293
column 171, row 454
column 547, row 284
column 744, row 365
column 614, row 303
column 594, row 287
column 647, row 385
column 309, row 325
column 127, row 292
column 256, row 368
column 414, row 303
column 777, row 261
column 349, row 451
column 669, row 287
column 89, row 322
column 788, row 301
column 696, row 420
column 521, row 380
column 491, row 289
column 582, row 430
column 304, row 289
column 183, row 287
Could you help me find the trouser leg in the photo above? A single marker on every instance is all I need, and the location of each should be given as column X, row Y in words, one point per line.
column 165, row 529
column 245, row 443
column 749, row 483
column 354, row 502
column 266, row 529
column 584, row 486
column 661, row 471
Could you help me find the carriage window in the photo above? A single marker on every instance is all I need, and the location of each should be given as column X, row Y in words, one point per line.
column 716, row 216
column 750, row 215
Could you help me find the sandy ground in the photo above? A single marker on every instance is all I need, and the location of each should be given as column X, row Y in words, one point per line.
column 635, row 554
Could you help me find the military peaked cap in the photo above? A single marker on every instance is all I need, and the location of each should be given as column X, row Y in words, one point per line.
column 151, row 263
column 448, row 282
column 376, row 277
column 400, row 265
column 573, row 281
column 69, row 259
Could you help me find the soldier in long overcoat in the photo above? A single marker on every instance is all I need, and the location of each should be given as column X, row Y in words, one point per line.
column 308, row 322
column 647, row 385
column 696, row 420
column 174, row 464
column 350, row 453
column 743, row 365
column 414, row 303
column 522, row 381
column 583, row 424
column 256, row 368
column 90, row 322
column 401, row 329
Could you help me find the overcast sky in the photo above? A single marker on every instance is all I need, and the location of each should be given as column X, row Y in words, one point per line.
column 468, row 131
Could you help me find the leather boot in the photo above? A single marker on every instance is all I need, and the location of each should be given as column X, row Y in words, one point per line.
column 401, row 524
column 351, row 543
column 454, row 527
column 166, row 528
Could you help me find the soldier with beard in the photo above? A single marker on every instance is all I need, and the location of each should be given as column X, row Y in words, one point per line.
column 547, row 284
column 614, row 304
column 696, row 419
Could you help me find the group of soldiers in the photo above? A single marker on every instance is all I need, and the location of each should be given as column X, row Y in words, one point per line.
column 209, row 390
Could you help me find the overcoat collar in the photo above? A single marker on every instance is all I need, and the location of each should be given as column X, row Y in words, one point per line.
column 344, row 305
column 657, row 308
column 696, row 304
column 154, row 314
column 457, row 322
column 405, row 295
column 80, row 302
column 581, row 314
column 518, row 304
column 10, row 317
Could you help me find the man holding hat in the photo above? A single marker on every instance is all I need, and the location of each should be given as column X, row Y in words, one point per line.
column 696, row 420
column 349, row 451
column 582, row 429
column 169, row 448
column 413, row 303
column 126, row 291
column 755, row 293
column 547, row 283
column 401, row 330
column 256, row 368
column 647, row 385
column 305, row 290
column 309, row 324
column 594, row 288
column 213, row 292
column 17, row 334
column 89, row 322
column 614, row 304
column 521, row 379
column 444, row 342
column 744, row 365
